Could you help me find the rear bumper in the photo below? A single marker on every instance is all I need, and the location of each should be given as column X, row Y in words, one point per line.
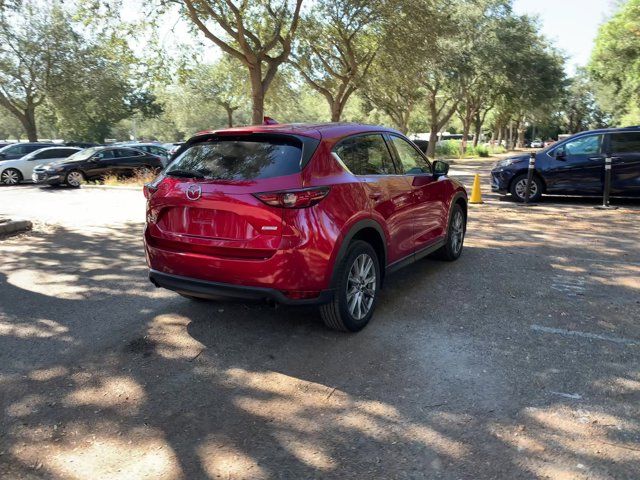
column 207, row 289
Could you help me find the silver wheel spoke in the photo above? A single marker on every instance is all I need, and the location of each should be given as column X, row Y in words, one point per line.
column 361, row 286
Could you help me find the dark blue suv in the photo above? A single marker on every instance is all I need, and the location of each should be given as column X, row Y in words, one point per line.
column 575, row 166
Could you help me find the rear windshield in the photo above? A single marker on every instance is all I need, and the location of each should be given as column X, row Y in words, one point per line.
column 234, row 159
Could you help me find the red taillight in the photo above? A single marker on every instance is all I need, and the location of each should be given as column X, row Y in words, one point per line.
column 148, row 190
column 293, row 198
column 152, row 187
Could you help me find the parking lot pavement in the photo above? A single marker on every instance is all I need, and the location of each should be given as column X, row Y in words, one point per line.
column 520, row 360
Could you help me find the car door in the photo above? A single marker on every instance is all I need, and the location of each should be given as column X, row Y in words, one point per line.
column 102, row 163
column 129, row 160
column 575, row 167
column 368, row 157
column 625, row 169
column 427, row 194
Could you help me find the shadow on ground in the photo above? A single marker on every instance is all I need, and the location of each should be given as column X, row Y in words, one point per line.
column 103, row 376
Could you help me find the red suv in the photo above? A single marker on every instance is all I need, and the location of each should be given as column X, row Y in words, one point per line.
column 299, row 214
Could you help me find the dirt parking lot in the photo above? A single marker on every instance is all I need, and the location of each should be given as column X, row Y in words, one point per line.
column 521, row 360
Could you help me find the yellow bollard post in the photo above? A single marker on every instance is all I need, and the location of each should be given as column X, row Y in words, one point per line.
column 476, row 194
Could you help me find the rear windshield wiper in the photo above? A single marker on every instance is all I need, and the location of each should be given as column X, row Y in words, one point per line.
column 184, row 173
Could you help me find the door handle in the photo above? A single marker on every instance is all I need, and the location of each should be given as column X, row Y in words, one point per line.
column 595, row 158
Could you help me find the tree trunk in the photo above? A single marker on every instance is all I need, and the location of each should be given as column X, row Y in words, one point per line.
column 28, row 120
column 229, row 111
column 466, row 128
column 336, row 107
column 257, row 95
column 477, row 131
column 433, row 139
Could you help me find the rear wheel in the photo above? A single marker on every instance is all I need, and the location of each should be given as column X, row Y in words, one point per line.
column 11, row 176
column 518, row 188
column 74, row 178
column 356, row 294
column 452, row 249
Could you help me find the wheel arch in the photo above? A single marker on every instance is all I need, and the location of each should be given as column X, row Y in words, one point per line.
column 369, row 231
column 459, row 198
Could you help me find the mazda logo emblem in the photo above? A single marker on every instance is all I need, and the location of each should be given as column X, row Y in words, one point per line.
column 194, row 192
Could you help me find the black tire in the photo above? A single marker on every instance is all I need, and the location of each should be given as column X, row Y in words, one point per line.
column 452, row 249
column 11, row 176
column 337, row 314
column 518, row 188
column 70, row 178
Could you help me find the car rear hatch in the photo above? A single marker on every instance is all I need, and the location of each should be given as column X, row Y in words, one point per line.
column 208, row 201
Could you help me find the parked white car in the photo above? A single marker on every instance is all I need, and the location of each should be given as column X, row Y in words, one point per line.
column 13, row 172
column 537, row 143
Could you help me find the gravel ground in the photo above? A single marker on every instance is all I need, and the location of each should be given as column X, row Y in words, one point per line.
column 520, row 360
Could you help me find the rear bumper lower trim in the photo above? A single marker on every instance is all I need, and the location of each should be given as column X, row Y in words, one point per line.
column 207, row 289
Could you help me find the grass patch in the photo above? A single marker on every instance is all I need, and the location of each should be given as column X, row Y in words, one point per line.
column 139, row 178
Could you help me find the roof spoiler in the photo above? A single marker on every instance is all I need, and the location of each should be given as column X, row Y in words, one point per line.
column 269, row 121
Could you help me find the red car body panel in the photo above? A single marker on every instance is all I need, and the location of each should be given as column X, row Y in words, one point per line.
column 228, row 236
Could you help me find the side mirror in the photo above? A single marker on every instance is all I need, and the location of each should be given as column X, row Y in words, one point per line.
column 3, row 155
column 560, row 154
column 440, row 168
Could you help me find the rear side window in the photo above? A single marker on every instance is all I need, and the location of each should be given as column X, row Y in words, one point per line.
column 241, row 159
column 127, row 152
column 365, row 155
column 56, row 153
column 33, row 148
column 157, row 151
column 625, row 142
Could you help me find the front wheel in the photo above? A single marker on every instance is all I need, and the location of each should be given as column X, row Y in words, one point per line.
column 518, row 188
column 11, row 176
column 452, row 249
column 74, row 178
column 357, row 289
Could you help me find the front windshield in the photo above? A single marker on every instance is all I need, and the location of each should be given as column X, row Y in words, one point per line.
column 83, row 154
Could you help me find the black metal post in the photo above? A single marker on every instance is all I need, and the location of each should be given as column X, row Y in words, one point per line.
column 607, row 185
column 532, row 166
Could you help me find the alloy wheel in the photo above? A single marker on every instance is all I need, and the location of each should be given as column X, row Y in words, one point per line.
column 457, row 232
column 521, row 188
column 74, row 179
column 10, row 177
column 361, row 286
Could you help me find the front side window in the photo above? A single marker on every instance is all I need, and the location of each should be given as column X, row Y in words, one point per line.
column 105, row 155
column 584, row 146
column 412, row 162
column 625, row 142
column 260, row 157
column 32, row 148
column 365, row 155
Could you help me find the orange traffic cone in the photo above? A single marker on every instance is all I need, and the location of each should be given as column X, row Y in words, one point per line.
column 476, row 193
